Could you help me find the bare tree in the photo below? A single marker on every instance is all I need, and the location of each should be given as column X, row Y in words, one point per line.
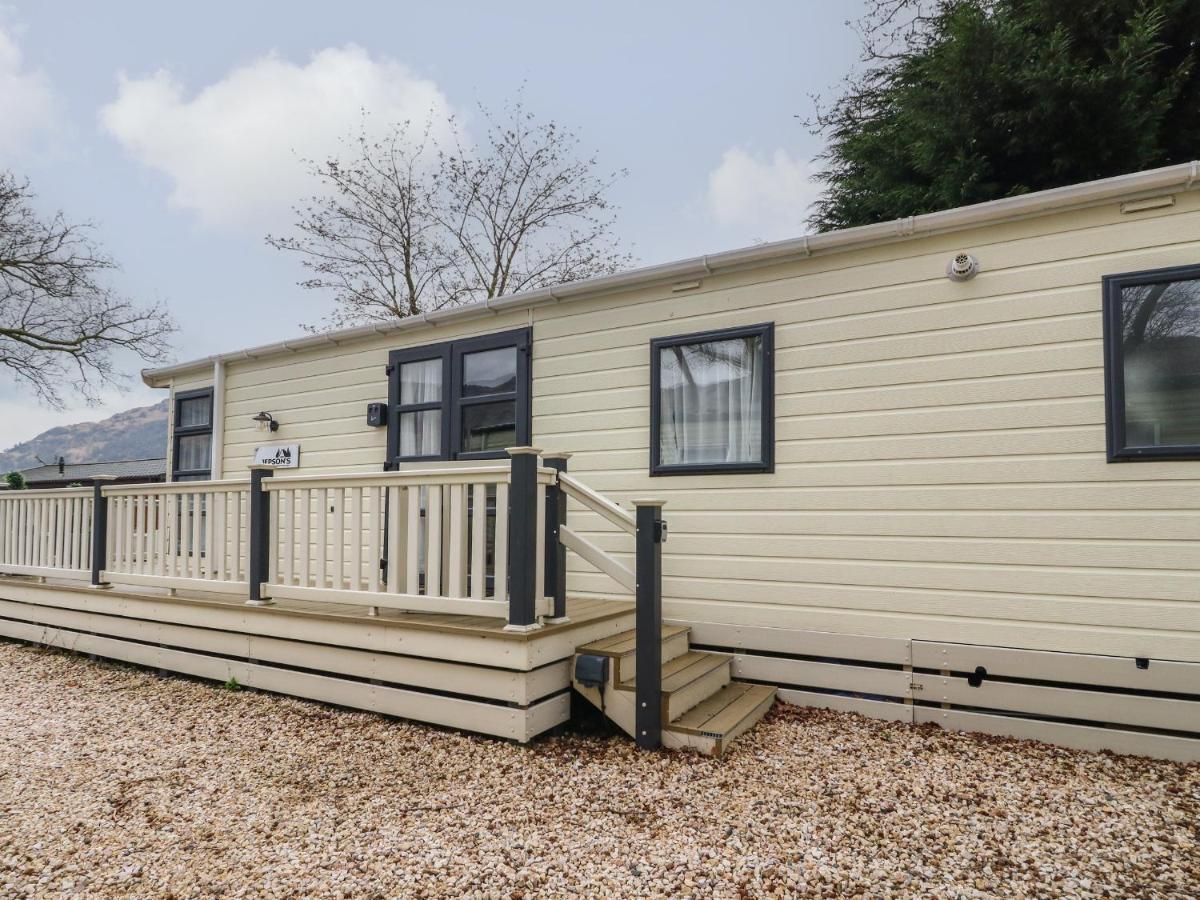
column 422, row 219
column 60, row 325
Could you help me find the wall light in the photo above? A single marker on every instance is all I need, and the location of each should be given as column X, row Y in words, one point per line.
column 266, row 422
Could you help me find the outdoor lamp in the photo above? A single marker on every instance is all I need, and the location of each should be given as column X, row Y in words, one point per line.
column 266, row 422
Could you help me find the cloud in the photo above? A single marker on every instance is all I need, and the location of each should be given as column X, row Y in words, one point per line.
column 28, row 104
column 232, row 151
column 767, row 197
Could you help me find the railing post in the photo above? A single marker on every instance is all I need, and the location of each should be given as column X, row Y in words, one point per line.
column 523, row 541
column 258, row 570
column 651, row 532
column 556, row 553
column 99, row 528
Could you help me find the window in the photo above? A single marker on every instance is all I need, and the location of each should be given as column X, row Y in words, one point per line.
column 465, row 399
column 192, row 458
column 1152, row 363
column 712, row 402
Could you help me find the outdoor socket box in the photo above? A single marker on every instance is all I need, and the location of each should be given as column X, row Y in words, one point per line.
column 591, row 670
column 376, row 414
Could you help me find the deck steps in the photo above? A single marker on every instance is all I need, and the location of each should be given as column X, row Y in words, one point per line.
column 703, row 707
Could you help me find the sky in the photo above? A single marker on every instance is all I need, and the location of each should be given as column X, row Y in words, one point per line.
column 179, row 130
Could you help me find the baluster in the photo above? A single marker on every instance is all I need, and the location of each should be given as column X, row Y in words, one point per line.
column 304, row 537
column 433, row 542
column 375, row 524
column 396, row 546
column 339, row 539
column 236, row 566
column 322, row 535
column 413, row 535
column 216, row 553
column 198, row 517
column 287, row 505
column 67, row 550
column 458, row 541
column 500, row 546
column 479, row 541
column 356, row 538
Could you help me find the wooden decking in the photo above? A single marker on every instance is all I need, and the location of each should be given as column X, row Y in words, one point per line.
column 459, row 671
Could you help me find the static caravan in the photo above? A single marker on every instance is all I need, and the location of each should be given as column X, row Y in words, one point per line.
column 943, row 469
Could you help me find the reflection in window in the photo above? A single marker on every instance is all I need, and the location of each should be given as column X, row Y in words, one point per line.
column 490, row 372
column 1160, row 363
column 489, row 426
column 712, row 405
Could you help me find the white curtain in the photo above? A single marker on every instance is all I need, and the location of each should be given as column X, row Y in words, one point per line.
column 421, row 431
column 711, row 402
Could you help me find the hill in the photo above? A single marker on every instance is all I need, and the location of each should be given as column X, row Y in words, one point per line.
column 134, row 434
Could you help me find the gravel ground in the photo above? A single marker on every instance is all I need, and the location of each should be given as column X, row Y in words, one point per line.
column 118, row 782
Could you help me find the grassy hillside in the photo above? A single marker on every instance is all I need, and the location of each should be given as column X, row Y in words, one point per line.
column 134, row 434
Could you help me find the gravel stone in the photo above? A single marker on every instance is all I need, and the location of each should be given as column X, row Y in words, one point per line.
column 118, row 782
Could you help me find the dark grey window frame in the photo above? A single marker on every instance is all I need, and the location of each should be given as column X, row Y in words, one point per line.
column 452, row 403
column 766, row 332
column 177, row 433
column 1114, row 367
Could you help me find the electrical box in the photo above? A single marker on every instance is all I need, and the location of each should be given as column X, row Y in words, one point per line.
column 591, row 670
column 376, row 414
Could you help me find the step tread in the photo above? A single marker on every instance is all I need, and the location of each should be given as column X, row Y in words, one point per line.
column 625, row 642
column 725, row 710
column 683, row 670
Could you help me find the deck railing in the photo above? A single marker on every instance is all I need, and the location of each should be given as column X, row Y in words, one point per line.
column 434, row 540
column 649, row 532
column 186, row 534
column 484, row 540
column 46, row 533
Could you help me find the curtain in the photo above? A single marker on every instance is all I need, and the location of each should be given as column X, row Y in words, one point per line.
column 421, row 430
column 711, row 402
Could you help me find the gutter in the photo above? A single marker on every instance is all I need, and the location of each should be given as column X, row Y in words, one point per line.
column 1184, row 176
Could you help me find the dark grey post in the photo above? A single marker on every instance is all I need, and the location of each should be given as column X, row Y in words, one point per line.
column 523, row 540
column 99, row 528
column 260, row 535
column 651, row 532
column 556, row 553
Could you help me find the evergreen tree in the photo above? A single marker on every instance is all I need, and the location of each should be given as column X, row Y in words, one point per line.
column 964, row 101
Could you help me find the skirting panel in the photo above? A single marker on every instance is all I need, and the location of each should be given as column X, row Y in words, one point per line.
column 514, row 722
column 1140, row 706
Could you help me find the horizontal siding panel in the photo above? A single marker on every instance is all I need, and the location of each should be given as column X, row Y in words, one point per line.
column 1069, row 668
column 1169, row 533
column 830, row 676
column 984, row 550
column 1082, row 737
column 873, row 709
column 1062, row 703
column 1089, row 252
column 743, row 611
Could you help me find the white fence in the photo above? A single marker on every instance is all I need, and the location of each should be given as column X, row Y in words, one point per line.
column 431, row 540
column 188, row 534
column 435, row 540
column 47, row 533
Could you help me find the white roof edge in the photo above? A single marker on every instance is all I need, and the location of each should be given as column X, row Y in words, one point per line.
column 1184, row 175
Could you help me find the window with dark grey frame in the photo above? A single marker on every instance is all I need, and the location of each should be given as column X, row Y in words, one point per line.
column 191, row 457
column 465, row 399
column 712, row 402
column 1152, row 364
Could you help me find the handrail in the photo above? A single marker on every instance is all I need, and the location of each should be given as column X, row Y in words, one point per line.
column 616, row 570
column 644, row 582
column 174, row 487
column 45, row 493
column 597, row 503
column 399, row 477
